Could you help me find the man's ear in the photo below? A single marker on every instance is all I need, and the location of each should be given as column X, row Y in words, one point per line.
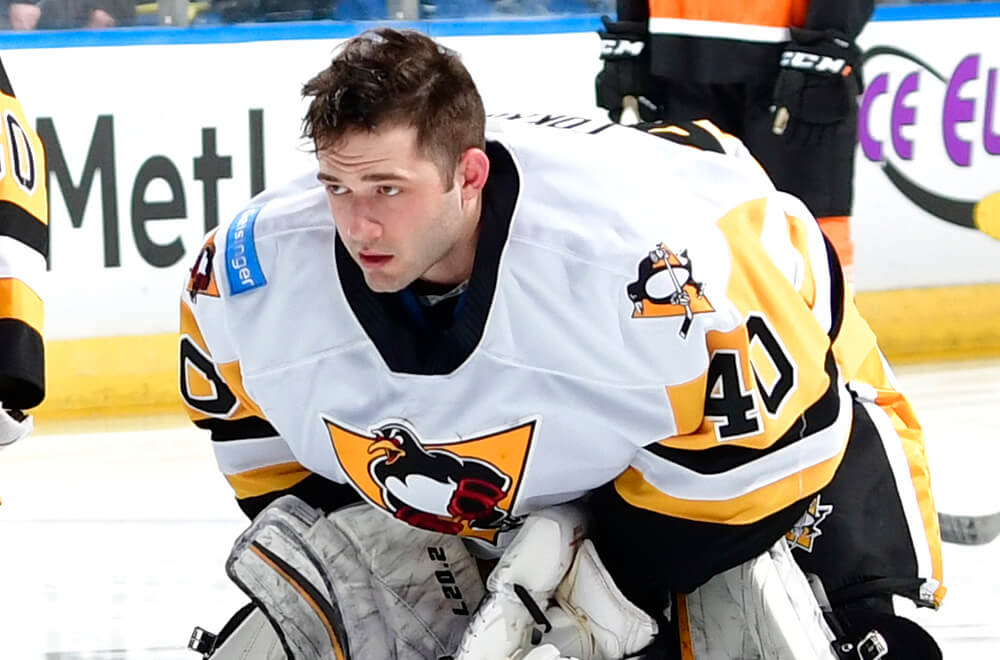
column 472, row 171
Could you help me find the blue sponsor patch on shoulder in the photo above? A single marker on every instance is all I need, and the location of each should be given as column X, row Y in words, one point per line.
column 242, row 266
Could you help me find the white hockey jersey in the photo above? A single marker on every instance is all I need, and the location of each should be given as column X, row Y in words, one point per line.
column 679, row 329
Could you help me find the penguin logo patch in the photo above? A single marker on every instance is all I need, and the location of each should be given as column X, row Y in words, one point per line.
column 805, row 532
column 466, row 487
column 202, row 280
column 665, row 286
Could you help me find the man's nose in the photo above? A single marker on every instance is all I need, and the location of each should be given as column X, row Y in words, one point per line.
column 363, row 227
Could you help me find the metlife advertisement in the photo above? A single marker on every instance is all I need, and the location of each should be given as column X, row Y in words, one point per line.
column 154, row 138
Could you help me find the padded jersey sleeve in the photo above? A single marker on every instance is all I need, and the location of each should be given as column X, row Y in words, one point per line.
column 250, row 452
column 765, row 426
column 761, row 429
column 766, row 423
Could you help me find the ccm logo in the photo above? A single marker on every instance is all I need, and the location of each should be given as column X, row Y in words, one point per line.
column 621, row 47
column 793, row 59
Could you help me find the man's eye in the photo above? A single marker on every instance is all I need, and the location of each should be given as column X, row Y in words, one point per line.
column 336, row 189
column 389, row 191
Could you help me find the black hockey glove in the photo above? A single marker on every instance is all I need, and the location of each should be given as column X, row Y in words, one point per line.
column 625, row 52
column 818, row 84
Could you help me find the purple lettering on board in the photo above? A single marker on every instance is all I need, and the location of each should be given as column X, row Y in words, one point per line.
column 991, row 139
column 959, row 110
column 904, row 115
column 871, row 147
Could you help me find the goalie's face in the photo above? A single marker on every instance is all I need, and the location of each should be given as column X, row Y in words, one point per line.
column 395, row 212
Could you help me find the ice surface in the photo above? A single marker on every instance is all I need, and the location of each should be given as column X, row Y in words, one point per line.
column 112, row 542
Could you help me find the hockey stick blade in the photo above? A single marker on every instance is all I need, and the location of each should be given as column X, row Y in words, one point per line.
column 969, row 530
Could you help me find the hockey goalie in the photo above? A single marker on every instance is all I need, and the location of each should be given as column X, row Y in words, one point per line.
column 540, row 387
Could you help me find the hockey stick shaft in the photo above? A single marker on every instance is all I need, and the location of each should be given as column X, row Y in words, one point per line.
column 969, row 530
column 688, row 313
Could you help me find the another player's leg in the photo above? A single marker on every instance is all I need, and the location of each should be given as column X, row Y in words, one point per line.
column 814, row 164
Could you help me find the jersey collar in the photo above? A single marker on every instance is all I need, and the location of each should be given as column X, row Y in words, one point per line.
column 404, row 346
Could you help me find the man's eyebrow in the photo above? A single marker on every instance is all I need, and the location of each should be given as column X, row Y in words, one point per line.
column 374, row 176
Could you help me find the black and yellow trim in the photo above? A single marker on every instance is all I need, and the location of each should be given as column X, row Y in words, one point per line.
column 23, row 227
column 227, row 430
column 22, row 364
column 315, row 490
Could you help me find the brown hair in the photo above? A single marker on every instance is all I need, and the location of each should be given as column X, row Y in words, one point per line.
column 387, row 76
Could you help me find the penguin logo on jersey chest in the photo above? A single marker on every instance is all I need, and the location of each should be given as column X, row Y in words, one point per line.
column 665, row 286
column 466, row 487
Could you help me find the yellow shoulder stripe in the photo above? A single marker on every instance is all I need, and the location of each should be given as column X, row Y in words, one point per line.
column 742, row 510
column 261, row 481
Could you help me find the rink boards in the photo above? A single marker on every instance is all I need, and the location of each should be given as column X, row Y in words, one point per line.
column 153, row 136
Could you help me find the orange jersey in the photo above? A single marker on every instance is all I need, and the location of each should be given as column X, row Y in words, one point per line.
column 712, row 41
column 737, row 19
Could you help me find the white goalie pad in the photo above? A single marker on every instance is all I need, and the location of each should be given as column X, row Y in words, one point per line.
column 763, row 608
column 356, row 584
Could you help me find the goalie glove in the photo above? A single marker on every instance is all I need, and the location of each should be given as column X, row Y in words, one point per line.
column 356, row 584
column 521, row 584
column 545, row 652
column 589, row 620
column 624, row 79
column 818, row 83
column 14, row 425
column 608, row 625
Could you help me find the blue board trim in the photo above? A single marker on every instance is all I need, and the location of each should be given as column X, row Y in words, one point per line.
column 247, row 32
column 244, row 32
column 242, row 266
column 933, row 11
